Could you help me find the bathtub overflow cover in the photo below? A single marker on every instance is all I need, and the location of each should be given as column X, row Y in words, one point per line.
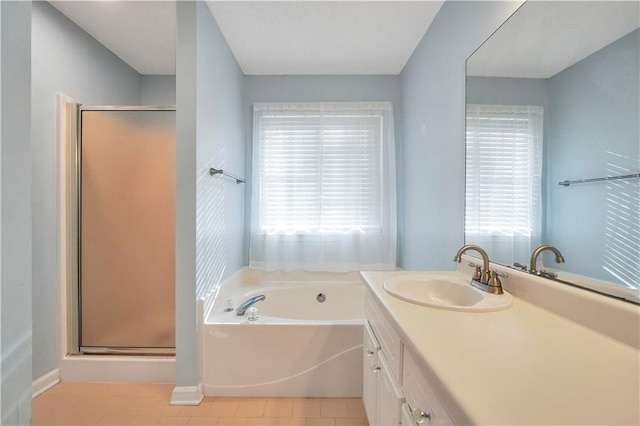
column 321, row 297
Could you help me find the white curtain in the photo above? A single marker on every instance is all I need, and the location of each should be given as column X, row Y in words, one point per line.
column 503, row 180
column 324, row 187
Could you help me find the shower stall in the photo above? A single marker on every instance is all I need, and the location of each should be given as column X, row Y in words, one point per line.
column 125, row 224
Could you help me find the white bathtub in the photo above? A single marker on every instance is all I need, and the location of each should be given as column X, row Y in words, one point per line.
column 297, row 347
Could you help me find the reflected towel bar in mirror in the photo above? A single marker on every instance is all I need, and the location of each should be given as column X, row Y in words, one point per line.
column 213, row 171
column 571, row 182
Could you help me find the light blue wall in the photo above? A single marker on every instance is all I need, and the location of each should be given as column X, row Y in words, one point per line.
column 159, row 90
column 432, row 88
column 15, row 214
column 187, row 354
column 507, row 91
column 221, row 129
column 210, row 131
column 65, row 60
column 313, row 89
column 592, row 129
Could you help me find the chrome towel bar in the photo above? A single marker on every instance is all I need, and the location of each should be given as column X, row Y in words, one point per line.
column 571, row 182
column 213, row 171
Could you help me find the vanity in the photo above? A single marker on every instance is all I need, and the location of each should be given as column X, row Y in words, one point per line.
column 555, row 355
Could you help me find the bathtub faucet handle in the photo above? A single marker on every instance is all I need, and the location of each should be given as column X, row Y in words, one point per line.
column 240, row 310
column 253, row 314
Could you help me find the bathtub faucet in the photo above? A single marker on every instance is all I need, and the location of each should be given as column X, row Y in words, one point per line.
column 240, row 310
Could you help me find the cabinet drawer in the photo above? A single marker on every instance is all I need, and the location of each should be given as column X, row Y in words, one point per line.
column 371, row 345
column 420, row 396
column 389, row 341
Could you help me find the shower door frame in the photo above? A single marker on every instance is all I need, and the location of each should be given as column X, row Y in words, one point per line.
column 74, row 325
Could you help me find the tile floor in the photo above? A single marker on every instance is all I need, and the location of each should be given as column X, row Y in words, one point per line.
column 148, row 404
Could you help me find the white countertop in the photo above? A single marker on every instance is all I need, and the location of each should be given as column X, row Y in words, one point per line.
column 522, row 365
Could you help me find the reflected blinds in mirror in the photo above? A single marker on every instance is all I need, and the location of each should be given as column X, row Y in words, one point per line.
column 503, row 178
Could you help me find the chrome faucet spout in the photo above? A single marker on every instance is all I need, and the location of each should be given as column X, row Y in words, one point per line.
column 240, row 310
column 536, row 253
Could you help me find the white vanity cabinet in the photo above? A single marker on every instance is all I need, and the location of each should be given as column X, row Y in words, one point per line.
column 381, row 394
column 395, row 392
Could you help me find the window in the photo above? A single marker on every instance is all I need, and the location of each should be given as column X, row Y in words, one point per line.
column 503, row 178
column 324, row 186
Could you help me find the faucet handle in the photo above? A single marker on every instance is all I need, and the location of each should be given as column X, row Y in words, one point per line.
column 486, row 276
column 520, row 266
column 495, row 285
column 477, row 275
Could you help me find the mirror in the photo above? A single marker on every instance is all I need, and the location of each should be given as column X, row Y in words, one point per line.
column 574, row 68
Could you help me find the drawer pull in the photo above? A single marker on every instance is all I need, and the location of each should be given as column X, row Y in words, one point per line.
column 375, row 368
column 370, row 353
column 420, row 416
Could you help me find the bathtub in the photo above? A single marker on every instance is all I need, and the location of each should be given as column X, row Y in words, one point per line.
column 298, row 346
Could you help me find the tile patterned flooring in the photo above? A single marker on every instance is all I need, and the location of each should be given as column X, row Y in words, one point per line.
column 148, row 404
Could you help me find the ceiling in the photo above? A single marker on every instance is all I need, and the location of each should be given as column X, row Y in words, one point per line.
column 353, row 37
column 323, row 37
column 141, row 33
column 266, row 37
column 545, row 37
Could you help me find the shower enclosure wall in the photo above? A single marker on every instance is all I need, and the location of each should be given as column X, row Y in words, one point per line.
column 125, row 181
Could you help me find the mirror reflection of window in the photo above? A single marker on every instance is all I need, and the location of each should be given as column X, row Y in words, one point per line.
column 580, row 61
column 503, row 179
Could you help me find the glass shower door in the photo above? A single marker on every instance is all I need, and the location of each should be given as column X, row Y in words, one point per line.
column 126, row 230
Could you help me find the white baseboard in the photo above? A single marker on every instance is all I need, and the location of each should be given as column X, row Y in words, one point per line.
column 117, row 369
column 45, row 382
column 187, row 395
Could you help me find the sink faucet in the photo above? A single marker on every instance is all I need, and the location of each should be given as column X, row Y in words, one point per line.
column 483, row 278
column 485, row 274
column 536, row 252
column 240, row 310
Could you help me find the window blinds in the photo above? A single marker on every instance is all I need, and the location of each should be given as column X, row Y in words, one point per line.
column 503, row 170
column 320, row 172
column 323, row 193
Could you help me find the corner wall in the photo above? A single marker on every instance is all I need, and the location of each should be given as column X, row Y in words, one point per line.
column 432, row 87
column 210, row 209
column 220, row 144
column 15, row 213
column 159, row 90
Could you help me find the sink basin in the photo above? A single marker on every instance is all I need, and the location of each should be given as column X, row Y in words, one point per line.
column 445, row 290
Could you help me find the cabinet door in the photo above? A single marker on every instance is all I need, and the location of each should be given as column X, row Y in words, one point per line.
column 369, row 373
column 389, row 395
